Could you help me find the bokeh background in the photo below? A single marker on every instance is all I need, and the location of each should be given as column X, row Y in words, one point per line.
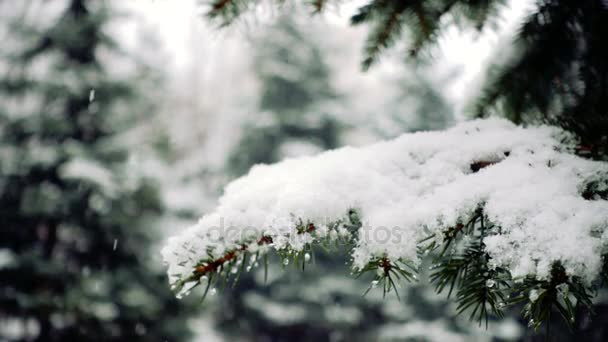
column 121, row 121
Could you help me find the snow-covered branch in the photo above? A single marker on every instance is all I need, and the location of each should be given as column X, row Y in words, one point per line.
column 397, row 199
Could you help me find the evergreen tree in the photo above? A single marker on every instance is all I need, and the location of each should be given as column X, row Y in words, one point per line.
column 419, row 105
column 76, row 219
column 295, row 103
column 559, row 73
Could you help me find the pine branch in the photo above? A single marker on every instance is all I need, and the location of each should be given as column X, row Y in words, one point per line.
column 424, row 26
column 209, row 268
column 215, row 269
column 388, row 273
column 383, row 36
column 479, row 288
column 424, row 29
column 365, row 13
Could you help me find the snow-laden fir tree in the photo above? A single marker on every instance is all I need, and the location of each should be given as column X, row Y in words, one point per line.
column 76, row 217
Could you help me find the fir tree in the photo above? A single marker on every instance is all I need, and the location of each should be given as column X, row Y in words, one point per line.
column 418, row 106
column 296, row 98
column 76, row 219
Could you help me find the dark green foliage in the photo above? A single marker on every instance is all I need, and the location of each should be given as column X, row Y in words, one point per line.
column 560, row 71
column 483, row 290
column 76, row 222
column 561, row 293
column 479, row 289
column 388, row 273
column 421, row 21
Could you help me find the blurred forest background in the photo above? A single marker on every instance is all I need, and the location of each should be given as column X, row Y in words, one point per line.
column 120, row 120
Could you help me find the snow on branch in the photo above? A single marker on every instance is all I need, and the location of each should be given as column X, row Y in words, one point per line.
column 524, row 187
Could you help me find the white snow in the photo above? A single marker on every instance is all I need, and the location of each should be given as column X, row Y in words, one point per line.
column 415, row 185
column 89, row 170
